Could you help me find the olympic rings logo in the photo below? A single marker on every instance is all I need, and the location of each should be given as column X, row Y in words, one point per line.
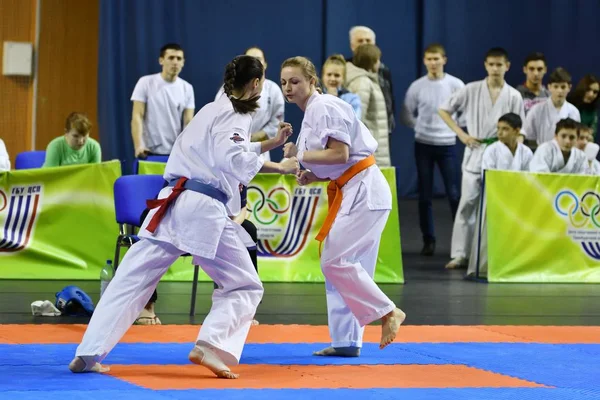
column 270, row 203
column 567, row 204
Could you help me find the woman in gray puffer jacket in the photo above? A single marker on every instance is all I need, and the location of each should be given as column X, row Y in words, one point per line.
column 362, row 79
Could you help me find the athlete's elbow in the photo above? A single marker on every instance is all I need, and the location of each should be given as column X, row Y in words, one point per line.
column 343, row 155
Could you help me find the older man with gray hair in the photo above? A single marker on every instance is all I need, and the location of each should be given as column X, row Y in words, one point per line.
column 364, row 35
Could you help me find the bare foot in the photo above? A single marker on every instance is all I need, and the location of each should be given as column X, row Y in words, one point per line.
column 78, row 365
column 203, row 356
column 390, row 325
column 350, row 351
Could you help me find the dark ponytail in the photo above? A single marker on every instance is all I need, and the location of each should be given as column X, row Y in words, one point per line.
column 238, row 73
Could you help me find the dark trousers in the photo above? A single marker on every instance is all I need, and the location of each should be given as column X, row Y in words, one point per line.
column 445, row 157
column 252, row 231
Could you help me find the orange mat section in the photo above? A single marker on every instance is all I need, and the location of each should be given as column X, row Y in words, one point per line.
column 159, row 377
column 46, row 334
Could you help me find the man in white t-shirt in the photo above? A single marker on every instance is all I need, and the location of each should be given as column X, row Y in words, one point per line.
column 434, row 140
column 163, row 104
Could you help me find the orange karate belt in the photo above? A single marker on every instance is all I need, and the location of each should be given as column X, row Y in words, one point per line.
column 335, row 195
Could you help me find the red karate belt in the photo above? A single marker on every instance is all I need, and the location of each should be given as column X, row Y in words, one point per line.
column 164, row 204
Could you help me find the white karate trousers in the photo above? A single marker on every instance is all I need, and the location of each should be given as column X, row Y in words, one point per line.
column 479, row 250
column 466, row 215
column 225, row 328
column 348, row 262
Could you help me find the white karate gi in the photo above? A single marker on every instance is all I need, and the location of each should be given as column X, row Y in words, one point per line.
column 214, row 149
column 593, row 168
column 269, row 113
column 350, row 250
column 549, row 158
column 482, row 117
column 540, row 123
column 496, row 156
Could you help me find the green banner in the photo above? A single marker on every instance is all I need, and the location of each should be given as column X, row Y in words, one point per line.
column 543, row 227
column 57, row 223
column 151, row 168
column 288, row 218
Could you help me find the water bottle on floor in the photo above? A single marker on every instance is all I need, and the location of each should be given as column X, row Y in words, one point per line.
column 106, row 276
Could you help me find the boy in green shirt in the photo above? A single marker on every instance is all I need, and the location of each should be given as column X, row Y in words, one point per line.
column 76, row 146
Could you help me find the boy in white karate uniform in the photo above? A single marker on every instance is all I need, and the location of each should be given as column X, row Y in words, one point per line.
column 506, row 154
column 483, row 103
column 210, row 159
column 561, row 154
column 542, row 118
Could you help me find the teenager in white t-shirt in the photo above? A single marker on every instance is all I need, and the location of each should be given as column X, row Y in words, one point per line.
column 434, row 140
column 163, row 104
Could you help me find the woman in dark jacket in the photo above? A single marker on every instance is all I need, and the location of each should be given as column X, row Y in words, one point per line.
column 585, row 98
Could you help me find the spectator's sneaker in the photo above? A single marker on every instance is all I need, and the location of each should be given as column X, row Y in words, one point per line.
column 428, row 249
column 458, row 262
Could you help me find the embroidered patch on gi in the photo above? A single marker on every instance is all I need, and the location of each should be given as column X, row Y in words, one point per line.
column 236, row 138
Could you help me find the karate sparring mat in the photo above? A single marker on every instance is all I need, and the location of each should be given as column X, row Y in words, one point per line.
column 424, row 363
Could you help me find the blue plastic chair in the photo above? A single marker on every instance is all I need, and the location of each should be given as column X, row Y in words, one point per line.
column 130, row 195
column 155, row 158
column 30, row 159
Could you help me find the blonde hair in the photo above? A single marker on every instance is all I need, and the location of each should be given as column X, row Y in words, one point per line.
column 78, row 121
column 336, row 59
column 306, row 66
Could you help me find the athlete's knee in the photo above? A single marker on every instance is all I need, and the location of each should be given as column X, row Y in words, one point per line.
column 260, row 292
column 255, row 284
column 256, row 292
column 330, row 264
